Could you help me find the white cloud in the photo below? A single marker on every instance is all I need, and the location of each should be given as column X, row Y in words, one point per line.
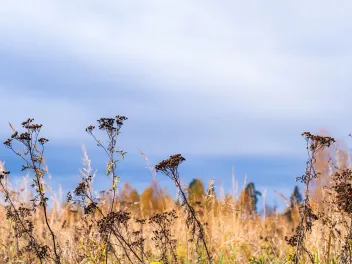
column 258, row 70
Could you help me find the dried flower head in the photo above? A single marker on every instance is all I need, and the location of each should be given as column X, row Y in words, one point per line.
column 14, row 135
column 162, row 235
column 170, row 165
column 90, row 128
column 317, row 142
column 28, row 121
column 8, row 142
column 25, row 136
column 42, row 141
column 342, row 185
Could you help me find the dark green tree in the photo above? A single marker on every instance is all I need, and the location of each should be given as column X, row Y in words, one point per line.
column 295, row 200
column 296, row 197
column 249, row 198
column 196, row 191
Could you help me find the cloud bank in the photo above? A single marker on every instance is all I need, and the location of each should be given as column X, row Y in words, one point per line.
column 236, row 78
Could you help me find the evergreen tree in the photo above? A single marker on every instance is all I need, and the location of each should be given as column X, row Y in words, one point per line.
column 295, row 200
column 196, row 191
column 249, row 198
column 296, row 197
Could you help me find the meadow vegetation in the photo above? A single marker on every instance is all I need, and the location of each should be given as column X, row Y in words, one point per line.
column 120, row 225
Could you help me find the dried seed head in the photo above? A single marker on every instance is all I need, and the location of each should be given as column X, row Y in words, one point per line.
column 43, row 140
column 90, row 128
column 170, row 164
column 8, row 142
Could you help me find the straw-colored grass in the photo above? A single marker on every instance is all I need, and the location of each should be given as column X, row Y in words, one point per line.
column 233, row 231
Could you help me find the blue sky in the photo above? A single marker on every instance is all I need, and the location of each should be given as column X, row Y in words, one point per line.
column 226, row 83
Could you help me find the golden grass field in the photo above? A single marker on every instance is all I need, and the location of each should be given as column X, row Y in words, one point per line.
column 121, row 226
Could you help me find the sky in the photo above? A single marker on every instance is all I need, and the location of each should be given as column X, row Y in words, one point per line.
column 226, row 83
